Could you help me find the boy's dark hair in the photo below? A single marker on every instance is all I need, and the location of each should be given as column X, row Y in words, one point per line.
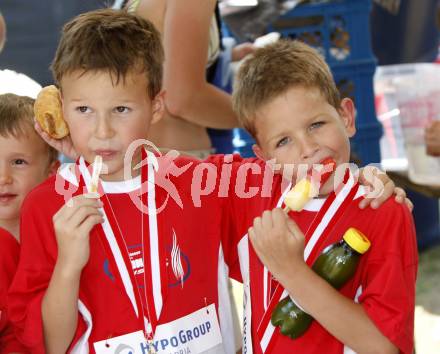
column 16, row 119
column 273, row 70
column 111, row 40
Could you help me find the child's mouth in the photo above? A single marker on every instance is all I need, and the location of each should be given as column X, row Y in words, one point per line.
column 329, row 166
column 7, row 197
column 106, row 154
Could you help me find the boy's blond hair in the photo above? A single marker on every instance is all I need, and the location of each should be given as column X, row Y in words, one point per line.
column 113, row 41
column 274, row 69
column 16, row 119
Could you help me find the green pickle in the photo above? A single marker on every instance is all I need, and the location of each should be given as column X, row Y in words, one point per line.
column 336, row 264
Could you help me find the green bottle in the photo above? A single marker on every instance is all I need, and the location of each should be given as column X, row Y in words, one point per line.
column 336, row 264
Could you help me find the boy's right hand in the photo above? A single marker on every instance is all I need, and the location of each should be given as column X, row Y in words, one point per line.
column 64, row 145
column 279, row 243
column 72, row 224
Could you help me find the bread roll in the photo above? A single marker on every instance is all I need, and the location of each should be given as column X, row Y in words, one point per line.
column 49, row 114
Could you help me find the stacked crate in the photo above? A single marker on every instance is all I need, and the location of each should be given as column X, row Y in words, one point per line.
column 340, row 31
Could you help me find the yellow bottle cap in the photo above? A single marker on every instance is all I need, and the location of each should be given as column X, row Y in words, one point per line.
column 357, row 240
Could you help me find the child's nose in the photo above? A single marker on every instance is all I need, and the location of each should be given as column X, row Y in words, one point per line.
column 309, row 147
column 103, row 128
column 5, row 175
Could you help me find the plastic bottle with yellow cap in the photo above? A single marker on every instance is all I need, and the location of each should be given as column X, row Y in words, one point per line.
column 337, row 264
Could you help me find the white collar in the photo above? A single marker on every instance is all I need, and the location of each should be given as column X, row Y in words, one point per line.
column 127, row 186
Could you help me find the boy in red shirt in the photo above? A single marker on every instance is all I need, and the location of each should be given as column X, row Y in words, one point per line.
column 286, row 98
column 25, row 161
column 136, row 269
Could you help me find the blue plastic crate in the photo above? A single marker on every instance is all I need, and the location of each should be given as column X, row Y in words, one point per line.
column 340, row 30
column 242, row 142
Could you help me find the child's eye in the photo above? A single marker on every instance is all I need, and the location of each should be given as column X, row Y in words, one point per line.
column 19, row 162
column 122, row 109
column 83, row 109
column 283, row 142
column 316, row 125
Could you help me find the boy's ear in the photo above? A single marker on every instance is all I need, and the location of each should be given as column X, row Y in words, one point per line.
column 258, row 152
column 53, row 167
column 348, row 116
column 158, row 107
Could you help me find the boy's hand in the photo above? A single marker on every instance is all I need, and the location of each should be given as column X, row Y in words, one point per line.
column 432, row 138
column 278, row 242
column 381, row 187
column 63, row 145
column 72, row 224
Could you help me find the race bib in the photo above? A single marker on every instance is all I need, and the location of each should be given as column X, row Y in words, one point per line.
column 196, row 333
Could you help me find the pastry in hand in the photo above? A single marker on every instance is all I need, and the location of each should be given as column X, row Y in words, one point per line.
column 49, row 113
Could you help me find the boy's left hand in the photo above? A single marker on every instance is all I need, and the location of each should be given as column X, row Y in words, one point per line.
column 383, row 188
column 278, row 242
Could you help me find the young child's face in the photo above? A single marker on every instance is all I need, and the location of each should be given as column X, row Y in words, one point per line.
column 301, row 127
column 105, row 117
column 24, row 163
